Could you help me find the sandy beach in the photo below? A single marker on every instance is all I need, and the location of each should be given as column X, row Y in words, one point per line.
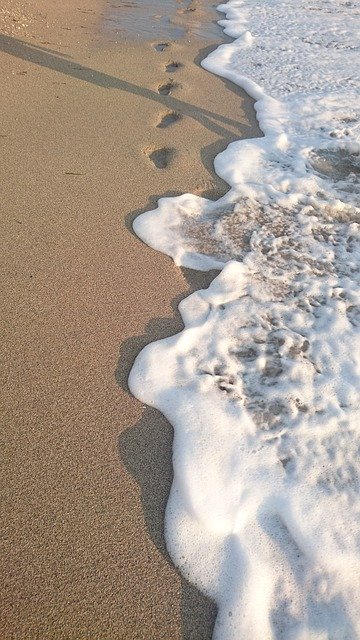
column 86, row 469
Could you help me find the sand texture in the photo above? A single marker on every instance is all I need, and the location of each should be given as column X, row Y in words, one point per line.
column 86, row 470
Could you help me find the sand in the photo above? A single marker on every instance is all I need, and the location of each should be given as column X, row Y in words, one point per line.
column 86, row 469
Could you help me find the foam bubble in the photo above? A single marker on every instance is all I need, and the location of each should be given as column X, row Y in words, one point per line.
column 263, row 384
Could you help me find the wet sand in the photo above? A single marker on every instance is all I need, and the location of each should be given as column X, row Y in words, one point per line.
column 86, row 469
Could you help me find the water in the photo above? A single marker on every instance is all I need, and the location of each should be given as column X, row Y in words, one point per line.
column 263, row 384
column 158, row 19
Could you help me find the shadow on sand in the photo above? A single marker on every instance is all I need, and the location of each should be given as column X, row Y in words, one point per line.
column 146, row 451
column 65, row 65
column 146, row 448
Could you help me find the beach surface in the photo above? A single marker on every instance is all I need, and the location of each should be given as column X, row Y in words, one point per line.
column 86, row 469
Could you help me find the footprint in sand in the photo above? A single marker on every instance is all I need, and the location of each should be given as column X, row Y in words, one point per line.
column 172, row 66
column 191, row 7
column 160, row 157
column 161, row 46
column 166, row 88
column 167, row 119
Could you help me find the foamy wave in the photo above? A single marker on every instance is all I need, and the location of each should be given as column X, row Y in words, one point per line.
column 263, row 384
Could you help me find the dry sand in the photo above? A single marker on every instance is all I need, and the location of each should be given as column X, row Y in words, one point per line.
column 86, row 469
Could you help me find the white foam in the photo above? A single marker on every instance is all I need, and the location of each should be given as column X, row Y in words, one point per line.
column 263, row 384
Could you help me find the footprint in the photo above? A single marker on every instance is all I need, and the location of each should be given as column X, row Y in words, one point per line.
column 191, row 7
column 165, row 89
column 172, row 66
column 161, row 46
column 160, row 157
column 168, row 119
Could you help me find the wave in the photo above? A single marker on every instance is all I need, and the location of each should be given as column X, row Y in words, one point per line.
column 263, row 384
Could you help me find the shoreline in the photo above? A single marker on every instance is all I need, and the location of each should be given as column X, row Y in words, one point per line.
column 83, row 506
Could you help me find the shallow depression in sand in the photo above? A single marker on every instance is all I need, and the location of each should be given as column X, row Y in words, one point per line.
column 166, row 88
column 172, row 66
column 168, row 119
column 160, row 157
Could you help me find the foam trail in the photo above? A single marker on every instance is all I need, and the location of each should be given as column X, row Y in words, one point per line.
column 263, row 384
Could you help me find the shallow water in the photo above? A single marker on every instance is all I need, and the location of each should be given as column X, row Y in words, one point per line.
column 158, row 19
column 263, row 384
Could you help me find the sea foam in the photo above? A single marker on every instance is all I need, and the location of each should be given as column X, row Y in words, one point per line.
column 263, row 384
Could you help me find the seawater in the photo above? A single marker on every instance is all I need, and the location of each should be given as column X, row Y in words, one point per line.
column 160, row 19
column 263, row 384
